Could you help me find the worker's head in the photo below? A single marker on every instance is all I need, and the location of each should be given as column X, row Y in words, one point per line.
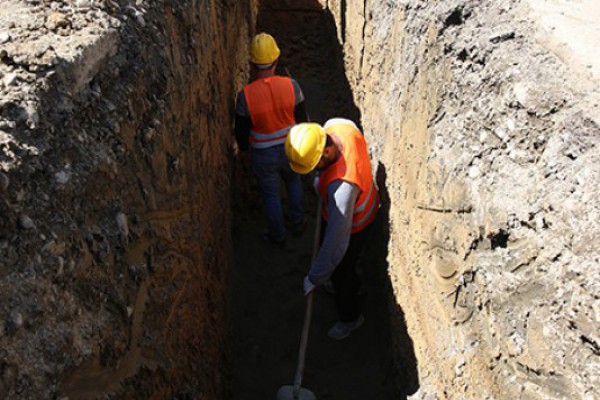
column 307, row 147
column 263, row 51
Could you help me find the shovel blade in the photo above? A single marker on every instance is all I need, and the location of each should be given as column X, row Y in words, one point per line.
column 287, row 393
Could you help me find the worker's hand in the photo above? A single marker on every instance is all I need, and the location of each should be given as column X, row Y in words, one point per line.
column 308, row 286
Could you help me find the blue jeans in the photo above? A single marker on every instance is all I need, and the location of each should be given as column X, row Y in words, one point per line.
column 269, row 165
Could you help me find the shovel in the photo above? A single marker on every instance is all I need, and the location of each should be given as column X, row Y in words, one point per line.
column 295, row 391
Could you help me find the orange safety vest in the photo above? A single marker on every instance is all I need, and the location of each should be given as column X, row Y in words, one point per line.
column 271, row 102
column 353, row 166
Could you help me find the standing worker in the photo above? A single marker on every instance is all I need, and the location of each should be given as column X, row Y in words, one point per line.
column 350, row 201
column 266, row 109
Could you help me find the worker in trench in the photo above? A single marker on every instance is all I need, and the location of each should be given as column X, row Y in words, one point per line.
column 266, row 109
column 350, row 202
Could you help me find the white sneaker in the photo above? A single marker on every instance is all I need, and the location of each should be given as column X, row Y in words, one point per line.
column 341, row 329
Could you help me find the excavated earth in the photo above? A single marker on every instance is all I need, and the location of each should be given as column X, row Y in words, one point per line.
column 131, row 265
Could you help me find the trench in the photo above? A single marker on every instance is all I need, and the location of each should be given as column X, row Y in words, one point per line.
column 266, row 305
column 131, row 259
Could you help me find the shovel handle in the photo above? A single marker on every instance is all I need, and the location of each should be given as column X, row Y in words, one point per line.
column 303, row 345
column 308, row 314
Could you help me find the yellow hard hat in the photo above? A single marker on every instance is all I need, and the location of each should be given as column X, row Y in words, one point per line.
column 304, row 146
column 263, row 49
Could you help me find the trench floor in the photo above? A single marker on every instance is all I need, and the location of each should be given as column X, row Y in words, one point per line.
column 266, row 310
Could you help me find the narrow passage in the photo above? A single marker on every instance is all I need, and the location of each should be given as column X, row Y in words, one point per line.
column 267, row 306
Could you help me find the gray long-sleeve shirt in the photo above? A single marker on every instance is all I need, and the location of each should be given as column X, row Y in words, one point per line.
column 342, row 198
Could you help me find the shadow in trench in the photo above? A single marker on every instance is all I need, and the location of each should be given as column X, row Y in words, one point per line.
column 267, row 306
column 404, row 368
column 310, row 52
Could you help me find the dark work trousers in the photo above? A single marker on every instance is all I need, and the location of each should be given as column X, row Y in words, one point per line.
column 345, row 279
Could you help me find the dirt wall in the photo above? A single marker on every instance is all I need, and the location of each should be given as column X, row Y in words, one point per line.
column 486, row 139
column 115, row 139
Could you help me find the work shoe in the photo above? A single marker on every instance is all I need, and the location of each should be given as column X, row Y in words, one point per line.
column 298, row 229
column 342, row 329
column 280, row 244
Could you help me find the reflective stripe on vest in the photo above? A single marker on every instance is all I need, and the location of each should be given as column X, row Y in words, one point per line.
column 353, row 166
column 361, row 219
column 271, row 102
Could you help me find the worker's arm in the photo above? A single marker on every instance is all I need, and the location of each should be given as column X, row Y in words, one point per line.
column 342, row 197
column 243, row 123
column 300, row 114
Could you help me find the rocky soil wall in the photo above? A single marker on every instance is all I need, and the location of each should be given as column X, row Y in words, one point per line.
column 486, row 140
column 115, row 135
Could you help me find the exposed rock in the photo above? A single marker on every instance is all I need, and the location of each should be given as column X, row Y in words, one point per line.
column 13, row 323
column 10, row 79
column 83, row 4
column 25, row 222
column 62, row 177
column 57, row 20
column 123, row 225
column 4, row 37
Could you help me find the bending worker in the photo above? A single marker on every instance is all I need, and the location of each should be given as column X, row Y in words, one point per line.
column 266, row 109
column 350, row 201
